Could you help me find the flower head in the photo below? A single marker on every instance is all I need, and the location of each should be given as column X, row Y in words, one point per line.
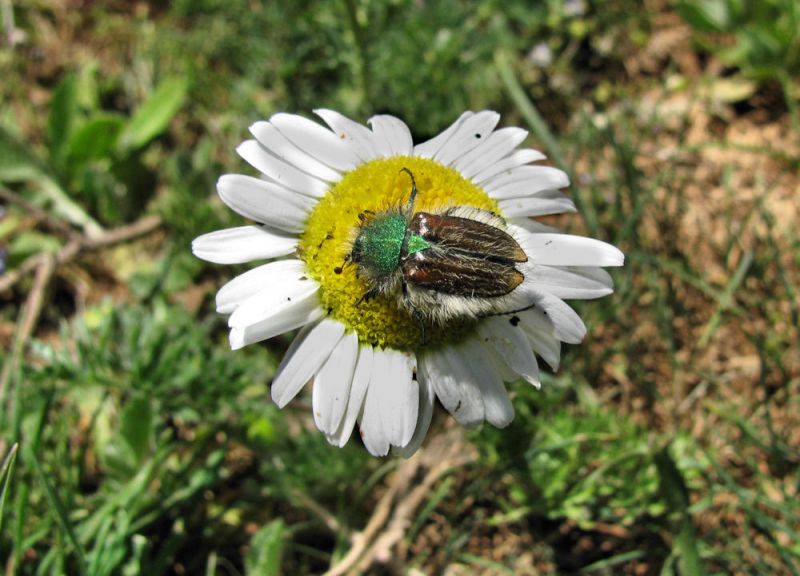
column 413, row 272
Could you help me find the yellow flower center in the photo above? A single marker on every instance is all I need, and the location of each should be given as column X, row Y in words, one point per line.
column 379, row 186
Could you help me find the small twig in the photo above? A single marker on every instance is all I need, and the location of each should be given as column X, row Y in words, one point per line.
column 77, row 246
column 45, row 265
column 29, row 317
column 446, row 456
column 389, row 522
column 362, row 540
column 41, row 215
column 327, row 518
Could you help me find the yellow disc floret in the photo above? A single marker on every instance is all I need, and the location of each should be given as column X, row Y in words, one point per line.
column 376, row 187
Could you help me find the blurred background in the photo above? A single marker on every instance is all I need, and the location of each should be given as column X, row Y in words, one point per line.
column 133, row 441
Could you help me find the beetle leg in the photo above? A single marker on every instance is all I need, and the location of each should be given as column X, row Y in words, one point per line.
column 369, row 295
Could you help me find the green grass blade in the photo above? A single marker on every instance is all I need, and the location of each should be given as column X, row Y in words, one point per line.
column 6, row 472
column 540, row 129
column 674, row 490
column 266, row 550
column 61, row 513
column 726, row 299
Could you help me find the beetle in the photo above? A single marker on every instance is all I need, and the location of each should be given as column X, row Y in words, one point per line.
column 460, row 263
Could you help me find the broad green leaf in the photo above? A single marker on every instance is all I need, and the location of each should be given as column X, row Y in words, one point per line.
column 17, row 162
column 733, row 89
column 30, row 242
column 136, row 425
column 95, row 139
column 154, row 115
column 266, row 550
column 705, row 15
column 63, row 117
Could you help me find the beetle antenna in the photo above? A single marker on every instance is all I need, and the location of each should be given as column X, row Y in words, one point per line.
column 508, row 312
column 410, row 206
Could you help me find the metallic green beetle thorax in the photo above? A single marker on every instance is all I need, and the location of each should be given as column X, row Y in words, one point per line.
column 378, row 245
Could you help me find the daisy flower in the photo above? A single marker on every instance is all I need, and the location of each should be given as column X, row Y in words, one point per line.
column 342, row 212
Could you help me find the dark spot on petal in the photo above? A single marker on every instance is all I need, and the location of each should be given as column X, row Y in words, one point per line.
column 478, row 135
column 458, row 407
column 514, row 320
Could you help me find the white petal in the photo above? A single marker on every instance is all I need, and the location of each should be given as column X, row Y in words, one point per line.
column 597, row 274
column 564, row 282
column 566, row 324
column 524, row 189
column 309, row 350
column 498, row 145
column 509, row 340
column 282, row 291
column 265, row 202
column 531, row 226
column 533, row 179
column 498, row 409
column 274, row 141
column 426, row 401
column 505, row 373
column 332, row 385
column 317, row 141
column 540, row 335
column 469, row 134
column 246, row 285
column 429, row 148
column 306, row 309
column 358, row 390
column 516, row 207
column 281, row 306
column 281, row 172
column 453, row 384
column 390, row 408
column 242, row 244
column 504, row 166
column 359, row 137
column 394, row 133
